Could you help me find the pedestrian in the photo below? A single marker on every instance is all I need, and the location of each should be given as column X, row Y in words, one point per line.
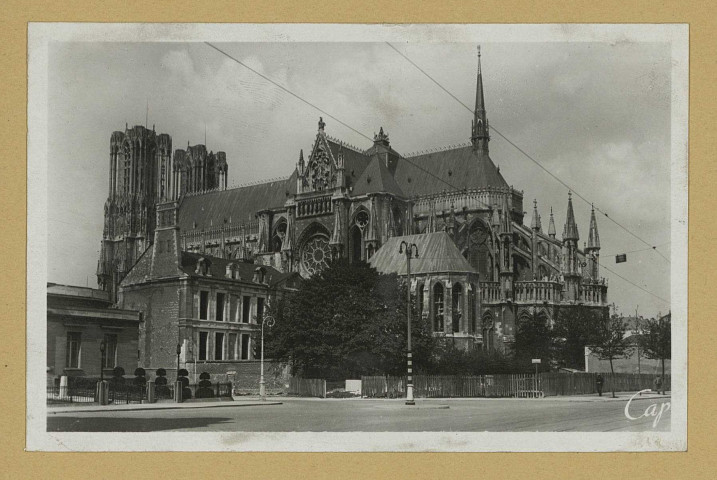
column 657, row 384
column 598, row 383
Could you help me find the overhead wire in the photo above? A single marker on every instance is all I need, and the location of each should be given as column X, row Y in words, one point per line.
column 492, row 127
column 421, row 168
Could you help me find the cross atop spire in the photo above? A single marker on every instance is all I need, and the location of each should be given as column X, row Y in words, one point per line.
column 479, row 133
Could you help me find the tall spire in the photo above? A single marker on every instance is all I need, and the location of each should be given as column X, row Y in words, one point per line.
column 479, row 133
column 535, row 224
column 551, row 226
column 570, row 231
column 594, row 237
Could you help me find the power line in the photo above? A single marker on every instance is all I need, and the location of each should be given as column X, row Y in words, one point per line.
column 331, row 116
column 634, row 284
column 408, row 161
column 492, row 127
column 635, row 251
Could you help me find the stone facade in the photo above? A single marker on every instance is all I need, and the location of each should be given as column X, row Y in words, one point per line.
column 345, row 201
column 78, row 320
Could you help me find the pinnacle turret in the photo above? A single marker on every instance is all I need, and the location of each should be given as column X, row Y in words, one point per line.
column 570, row 231
column 593, row 237
column 535, row 223
column 551, row 225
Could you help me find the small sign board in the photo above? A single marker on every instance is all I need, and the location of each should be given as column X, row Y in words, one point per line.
column 536, row 360
column 621, row 258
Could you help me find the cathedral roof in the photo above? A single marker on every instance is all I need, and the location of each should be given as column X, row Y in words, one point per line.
column 376, row 179
column 355, row 162
column 437, row 253
column 462, row 168
column 238, row 204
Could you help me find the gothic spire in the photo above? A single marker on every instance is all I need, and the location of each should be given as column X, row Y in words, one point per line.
column 570, row 231
column 535, row 224
column 479, row 134
column 551, row 226
column 593, row 237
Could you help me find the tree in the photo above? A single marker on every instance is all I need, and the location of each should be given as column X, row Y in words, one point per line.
column 345, row 322
column 610, row 343
column 656, row 341
column 534, row 339
column 575, row 328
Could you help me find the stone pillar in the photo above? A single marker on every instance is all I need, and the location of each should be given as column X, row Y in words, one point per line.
column 178, row 392
column 63, row 386
column 150, row 392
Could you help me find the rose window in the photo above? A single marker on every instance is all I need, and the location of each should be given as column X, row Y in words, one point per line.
column 315, row 255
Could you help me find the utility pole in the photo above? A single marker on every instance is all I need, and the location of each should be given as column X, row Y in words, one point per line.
column 410, row 248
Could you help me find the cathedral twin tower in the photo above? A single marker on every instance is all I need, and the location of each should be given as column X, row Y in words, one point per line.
column 143, row 173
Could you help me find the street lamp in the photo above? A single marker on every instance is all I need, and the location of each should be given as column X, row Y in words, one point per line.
column 409, row 248
column 103, row 347
column 267, row 320
column 179, row 350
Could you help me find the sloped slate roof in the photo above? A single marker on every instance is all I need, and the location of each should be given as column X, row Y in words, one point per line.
column 354, row 162
column 436, row 254
column 139, row 272
column 376, row 178
column 240, row 204
column 460, row 167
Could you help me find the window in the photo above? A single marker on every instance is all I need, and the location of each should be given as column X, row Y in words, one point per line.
column 203, row 305
column 246, row 310
column 419, row 299
column 219, row 346
column 457, row 310
column 245, row 346
column 232, row 350
column 203, row 347
column 259, row 308
column 438, row 307
column 220, row 307
column 74, row 342
column 109, row 357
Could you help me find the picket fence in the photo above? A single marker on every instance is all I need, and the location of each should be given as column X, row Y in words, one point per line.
column 504, row 385
column 307, row 387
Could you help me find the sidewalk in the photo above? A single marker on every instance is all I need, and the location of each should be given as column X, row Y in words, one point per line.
column 257, row 402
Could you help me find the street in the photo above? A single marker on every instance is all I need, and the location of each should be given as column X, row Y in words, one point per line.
column 560, row 414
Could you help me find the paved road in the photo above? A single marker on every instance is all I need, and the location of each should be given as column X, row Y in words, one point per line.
column 314, row 415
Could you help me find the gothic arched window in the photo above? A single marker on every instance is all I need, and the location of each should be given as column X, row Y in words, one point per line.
column 457, row 304
column 279, row 235
column 438, row 307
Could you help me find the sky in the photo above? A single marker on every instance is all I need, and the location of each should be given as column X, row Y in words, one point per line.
column 597, row 115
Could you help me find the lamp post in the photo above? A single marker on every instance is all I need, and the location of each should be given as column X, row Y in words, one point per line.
column 179, row 350
column 409, row 248
column 103, row 347
column 267, row 320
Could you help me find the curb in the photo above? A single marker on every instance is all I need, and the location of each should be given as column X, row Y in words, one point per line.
column 147, row 408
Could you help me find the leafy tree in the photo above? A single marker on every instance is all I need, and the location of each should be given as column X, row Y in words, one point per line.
column 656, row 341
column 534, row 339
column 345, row 322
column 610, row 343
column 575, row 328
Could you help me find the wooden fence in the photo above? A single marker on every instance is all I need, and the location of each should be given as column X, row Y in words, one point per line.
column 519, row 385
column 307, row 387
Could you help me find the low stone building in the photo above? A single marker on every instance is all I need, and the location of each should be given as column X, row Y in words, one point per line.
column 445, row 285
column 209, row 307
column 79, row 319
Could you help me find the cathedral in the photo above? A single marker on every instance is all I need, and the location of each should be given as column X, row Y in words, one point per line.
column 481, row 269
